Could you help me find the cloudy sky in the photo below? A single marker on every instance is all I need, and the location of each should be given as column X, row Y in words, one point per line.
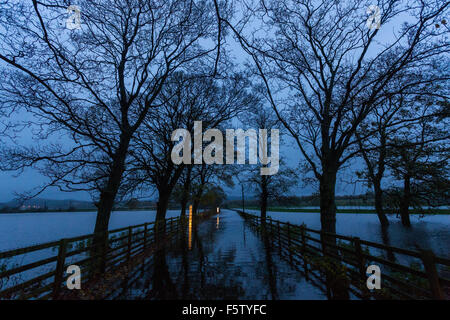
column 10, row 183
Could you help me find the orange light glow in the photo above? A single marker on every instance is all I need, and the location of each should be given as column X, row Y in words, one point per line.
column 190, row 227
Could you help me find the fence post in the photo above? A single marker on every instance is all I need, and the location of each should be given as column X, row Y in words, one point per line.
column 305, row 263
column 302, row 229
column 59, row 268
column 361, row 262
column 278, row 230
column 130, row 235
column 145, row 235
column 289, row 241
column 359, row 257
column 322, row 238
column 279, row 236
column 429, row 263
column 289, row 234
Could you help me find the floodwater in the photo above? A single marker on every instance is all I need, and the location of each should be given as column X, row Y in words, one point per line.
column 222, row 259
column 26, row 229
column 431, row 232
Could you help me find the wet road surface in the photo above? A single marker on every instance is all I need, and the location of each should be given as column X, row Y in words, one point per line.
column 221, row 259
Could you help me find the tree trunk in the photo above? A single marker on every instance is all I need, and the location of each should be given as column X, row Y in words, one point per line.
column 263, row 208
column 185, row 196
column 195, row 206
column 163, row 286
column 404, row 206
column 338, row 285
column 379, row 205
column 196, row 201
column 162, row 205
column 327, row 200
column 105, row 206
column 184, row 202
column 264, row 196
column 243, row 201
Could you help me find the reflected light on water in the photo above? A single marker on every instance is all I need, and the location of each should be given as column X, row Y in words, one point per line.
column 190, row 227
column 217, row 223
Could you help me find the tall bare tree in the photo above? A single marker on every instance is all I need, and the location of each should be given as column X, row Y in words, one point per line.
column 324, row 70
column 185, row 100
column 95, row 82
column 267, row 187
column 418, row 157
column 401, row 109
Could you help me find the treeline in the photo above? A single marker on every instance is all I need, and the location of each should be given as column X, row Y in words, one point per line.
column 306, row 201
column 103, row 102
column 362, row 200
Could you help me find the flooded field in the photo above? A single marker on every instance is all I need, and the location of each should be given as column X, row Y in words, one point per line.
column 25, row 229
column 429, row 232
column 224, row 259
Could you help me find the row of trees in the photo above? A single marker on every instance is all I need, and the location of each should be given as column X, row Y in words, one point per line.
column 103, row 101
column 327, row 75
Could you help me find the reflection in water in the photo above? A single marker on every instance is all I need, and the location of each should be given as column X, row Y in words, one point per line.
column 216, row 263
column 429, row 233
column 190, row 227
column 387, row 242
column 162, row 285
column 271, row 269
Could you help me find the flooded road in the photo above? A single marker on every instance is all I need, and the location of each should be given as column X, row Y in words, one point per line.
column 222, row 259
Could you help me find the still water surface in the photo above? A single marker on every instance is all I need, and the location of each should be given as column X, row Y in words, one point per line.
column 430, row 232
column 224, row 260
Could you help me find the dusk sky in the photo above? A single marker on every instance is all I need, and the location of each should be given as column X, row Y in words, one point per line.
column 9, row 184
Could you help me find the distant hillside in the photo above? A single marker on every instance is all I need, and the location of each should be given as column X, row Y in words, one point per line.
column 46, row 204
column 42, row 205
column 311, row 200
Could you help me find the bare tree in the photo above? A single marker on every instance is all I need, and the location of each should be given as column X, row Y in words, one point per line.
column 400, row 110
column 194, row 180
column 267, row 187
column 185, row 100
column 419, row 157
column 95, row 86
column 324, row 70
column 185, row 188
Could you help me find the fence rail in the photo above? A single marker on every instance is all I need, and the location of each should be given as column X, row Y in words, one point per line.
column 43, row 277
column 406, row 274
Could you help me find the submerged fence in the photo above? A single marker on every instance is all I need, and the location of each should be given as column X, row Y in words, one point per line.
column 405, row 274
column 37, row 272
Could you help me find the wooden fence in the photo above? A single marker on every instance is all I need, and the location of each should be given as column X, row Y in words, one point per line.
column 405, row 274
column 43, row 276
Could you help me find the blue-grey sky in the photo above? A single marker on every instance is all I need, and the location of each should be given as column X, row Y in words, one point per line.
column 29, row 179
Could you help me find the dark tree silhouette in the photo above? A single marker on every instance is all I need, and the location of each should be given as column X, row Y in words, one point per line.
column 324, row 70
column 268, row 187
column 400, row 110
column 419, row 158
column 184, row 100
column 95, row 86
